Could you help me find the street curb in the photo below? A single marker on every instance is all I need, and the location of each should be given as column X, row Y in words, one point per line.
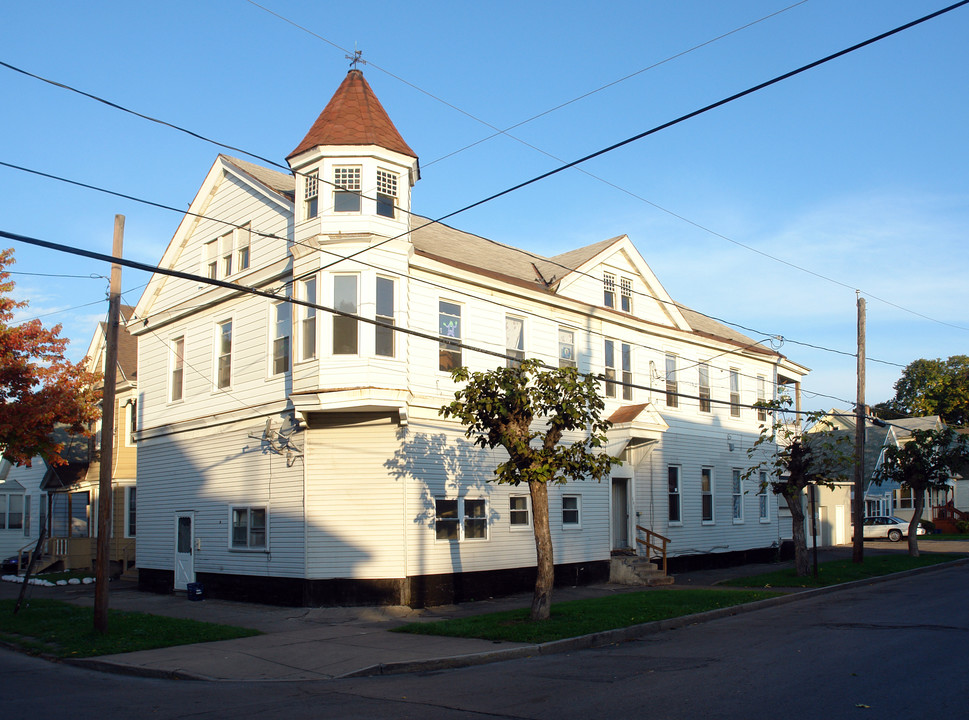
column 633, row 632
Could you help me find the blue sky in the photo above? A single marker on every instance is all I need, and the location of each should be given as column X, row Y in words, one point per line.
column 855, row 171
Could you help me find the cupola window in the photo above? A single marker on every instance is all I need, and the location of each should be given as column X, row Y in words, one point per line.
column 311, row 196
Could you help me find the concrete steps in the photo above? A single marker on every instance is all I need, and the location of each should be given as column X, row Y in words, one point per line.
column 634, row 570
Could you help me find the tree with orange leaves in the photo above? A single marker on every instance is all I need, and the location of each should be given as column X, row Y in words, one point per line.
column 39, row 387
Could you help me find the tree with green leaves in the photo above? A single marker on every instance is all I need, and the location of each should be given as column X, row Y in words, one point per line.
column 932, row 387
column 39, row 387
column 795, row 456
column 925, row 461
column 528, row 410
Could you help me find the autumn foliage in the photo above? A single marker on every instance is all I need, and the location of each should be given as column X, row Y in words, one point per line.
column 39, row 387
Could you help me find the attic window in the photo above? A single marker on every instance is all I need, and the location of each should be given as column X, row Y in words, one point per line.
column 346, row 198
column 386, row 193
column 311, row 195
column 626, row 295
column 609, row 290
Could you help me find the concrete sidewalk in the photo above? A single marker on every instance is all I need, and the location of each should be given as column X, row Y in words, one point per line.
column 328, row 643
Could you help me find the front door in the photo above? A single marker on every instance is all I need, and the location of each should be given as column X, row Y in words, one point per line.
column 620, row 514
column 184, row 557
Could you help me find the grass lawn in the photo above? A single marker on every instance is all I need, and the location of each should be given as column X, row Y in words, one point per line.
column 582, row 617
column 835, row 572
column 63, row 630
column 942, row 536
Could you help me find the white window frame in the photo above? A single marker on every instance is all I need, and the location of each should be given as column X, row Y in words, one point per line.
column 130, row 491
column 710, row 475
column 210, row 259
column 735, row 393
column 280, row 318
column 341, row 320
column 737, row 496
column 461, row 519
column 249, row 546
column 577, row 525
column 226, row 255
column 676, row 492
column 217, row 375
column 243, row 247
column 390, row 319
column 5, row 512
column 567, row 356
column 346, row 183
column 609, row 366
column 609, row 290
column 763, row 500
column 446, row 348
column 626, row 360
column 514, row 347
column 626, row 295
column 387, row 183
column 176, row 364
column 703, row 388
column 512, row 511
column 308, row 318
column 672, row 385
column 311, row 195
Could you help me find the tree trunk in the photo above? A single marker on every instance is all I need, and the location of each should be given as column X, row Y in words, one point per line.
column 913, row 527
column 545, row 575
column 802, row 563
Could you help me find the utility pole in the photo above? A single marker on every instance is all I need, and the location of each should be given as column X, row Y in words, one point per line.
column 858, row 509
column 107, row 434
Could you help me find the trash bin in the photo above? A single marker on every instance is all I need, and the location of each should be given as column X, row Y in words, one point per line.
column 194, row 591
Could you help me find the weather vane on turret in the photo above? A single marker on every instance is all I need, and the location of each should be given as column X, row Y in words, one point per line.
column 355, row 58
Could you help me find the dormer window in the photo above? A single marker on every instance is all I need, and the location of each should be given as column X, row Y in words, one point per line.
column 346, row 197
column 311, row 195
column 609, row 290
column 386, row 193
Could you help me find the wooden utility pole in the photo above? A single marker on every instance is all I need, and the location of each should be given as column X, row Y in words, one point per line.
column 858, row 509
column 107, row 434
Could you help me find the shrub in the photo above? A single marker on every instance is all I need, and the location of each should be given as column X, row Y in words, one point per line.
column 928, row 525
column 962, row 526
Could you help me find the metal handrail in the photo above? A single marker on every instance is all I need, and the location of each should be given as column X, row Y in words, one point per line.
column 651, row 545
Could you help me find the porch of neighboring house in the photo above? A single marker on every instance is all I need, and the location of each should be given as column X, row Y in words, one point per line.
column 940, row 507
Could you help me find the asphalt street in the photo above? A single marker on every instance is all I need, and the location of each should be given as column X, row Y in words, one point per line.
column 892, row 649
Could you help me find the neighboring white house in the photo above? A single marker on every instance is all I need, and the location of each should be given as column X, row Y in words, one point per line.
column 297, row 455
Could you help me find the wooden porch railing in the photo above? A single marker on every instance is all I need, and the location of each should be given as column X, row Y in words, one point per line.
column 949, row 512
column 650, row 544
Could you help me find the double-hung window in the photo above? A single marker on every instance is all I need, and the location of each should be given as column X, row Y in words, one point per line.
column 211, row 259
column 672, row 398
column 384, row 333
column 307, row 320
column 249, row 528
column 737, row 494
column 518, row 515
column 345, row 329
column 386, row 193
column 282, row 323
column 11, row 512
column 130, row 507
column 626, row 295
column 346, row 197
column 734, row 393
column 224, row 354
column 763, row 506
column 609, row 290
column 226, row 250
column 449, row 328
column 704, row 387
column 514, row 340
column 243, row 241
column 627, row 371
column 571, row 511
column 761, row 398
column 177, row 364
column 459, row 519
column 311, row 195
column 673, row 493
column 706, row 495
column 566, row 348
column 610, row 367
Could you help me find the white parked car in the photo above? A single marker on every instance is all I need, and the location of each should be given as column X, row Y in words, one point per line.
column 884, row 526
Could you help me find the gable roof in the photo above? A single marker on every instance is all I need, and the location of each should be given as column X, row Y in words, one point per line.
column 282, row 183
column 354, row 116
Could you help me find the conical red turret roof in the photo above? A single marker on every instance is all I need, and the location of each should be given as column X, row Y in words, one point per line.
column 354, row 116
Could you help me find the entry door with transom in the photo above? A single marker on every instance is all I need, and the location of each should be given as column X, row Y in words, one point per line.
column 184, row 555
